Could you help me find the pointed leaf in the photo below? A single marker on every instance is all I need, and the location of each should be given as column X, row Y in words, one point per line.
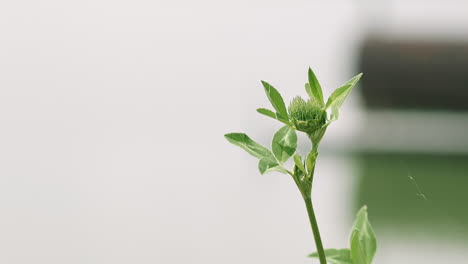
column 276, row 100
column 266, row 165
column 284, row 143
column 246, row 143
column 363, row 242
column 273, row 115
column 310, row 163
column 336, row 256
column 314, row 89
column 316, row 102
column 337, row 98
column 298, row 173
column 267, row 112
column 340, row 94
column 299, row 164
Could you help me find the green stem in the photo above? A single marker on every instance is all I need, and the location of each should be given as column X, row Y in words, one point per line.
column 315, row 230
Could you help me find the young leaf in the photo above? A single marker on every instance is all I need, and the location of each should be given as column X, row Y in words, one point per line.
column 276, row 100
column 273, row 115
column 363, row 242
column 336, row 256
column 316, row 102
column 314, row 89
column 267, row 112
column 299, row 164
column 267, row 165
column 310, row 163
column 337, row 98
column 284, row 143
column 243, row 141
column 298, row 173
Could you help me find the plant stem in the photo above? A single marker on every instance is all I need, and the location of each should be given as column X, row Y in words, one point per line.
column 315, row 230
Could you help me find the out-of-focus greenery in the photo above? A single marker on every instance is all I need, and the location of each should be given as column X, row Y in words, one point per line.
column 416, row 193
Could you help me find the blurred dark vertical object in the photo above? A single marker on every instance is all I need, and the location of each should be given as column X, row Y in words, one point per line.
column 410, row 75
column 416, row 98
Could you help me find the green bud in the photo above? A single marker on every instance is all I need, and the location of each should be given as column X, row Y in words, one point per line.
column 306, row 115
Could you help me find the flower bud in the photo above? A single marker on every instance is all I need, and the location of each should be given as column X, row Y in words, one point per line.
column 308, row 117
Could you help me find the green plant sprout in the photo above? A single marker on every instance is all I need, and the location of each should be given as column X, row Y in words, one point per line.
column 312, row 117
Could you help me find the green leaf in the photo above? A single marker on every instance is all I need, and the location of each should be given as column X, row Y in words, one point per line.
column 310, row 163
column 336, row 256
column 363, row 242
column 316, row 102
column 273, row 115
column 337, row 98
column 266, row 165
column 299, row 164
column 314, row 89
column 298, row 173
column 243, row 141
column 267, row 112
column 276, row 100
column 284, row 143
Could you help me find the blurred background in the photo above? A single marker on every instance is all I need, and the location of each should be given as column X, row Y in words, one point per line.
column 112, row 115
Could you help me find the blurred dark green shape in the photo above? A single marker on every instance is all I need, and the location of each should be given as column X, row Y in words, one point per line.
column 435, row 202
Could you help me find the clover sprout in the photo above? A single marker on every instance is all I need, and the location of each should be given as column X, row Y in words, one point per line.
column 311, row 116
